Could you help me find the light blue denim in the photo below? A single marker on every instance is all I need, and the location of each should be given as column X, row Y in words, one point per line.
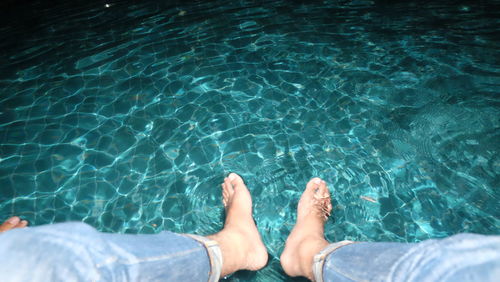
column 463, row 257
column 77, row 252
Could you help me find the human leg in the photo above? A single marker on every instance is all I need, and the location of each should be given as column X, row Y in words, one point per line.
column 13, row 222
column 239, row 240
column 77, row 252
column 307, row 237
column 464, row 257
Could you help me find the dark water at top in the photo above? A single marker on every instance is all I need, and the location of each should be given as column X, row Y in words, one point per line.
column 128, row 117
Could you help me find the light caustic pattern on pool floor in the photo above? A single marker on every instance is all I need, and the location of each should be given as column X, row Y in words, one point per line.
column 129, row 117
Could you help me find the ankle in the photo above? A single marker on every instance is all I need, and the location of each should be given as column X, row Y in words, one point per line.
column 307, row 249
column 231, row 259
column 233, row 248
column 297, row 259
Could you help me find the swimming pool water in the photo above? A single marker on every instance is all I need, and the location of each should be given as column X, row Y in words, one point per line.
column 128, row 117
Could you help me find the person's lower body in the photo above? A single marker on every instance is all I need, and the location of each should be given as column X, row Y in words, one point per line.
column 77, row 252
column 463, row 257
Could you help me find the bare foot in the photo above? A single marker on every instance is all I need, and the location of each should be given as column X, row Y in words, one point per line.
column 13, row 222
column 307, row 237
column 239, row 240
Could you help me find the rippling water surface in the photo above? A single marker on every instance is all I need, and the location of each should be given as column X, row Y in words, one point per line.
column 128, row 117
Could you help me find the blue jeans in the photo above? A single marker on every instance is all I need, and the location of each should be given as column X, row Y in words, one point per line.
column 463, row 257
column 77, row 252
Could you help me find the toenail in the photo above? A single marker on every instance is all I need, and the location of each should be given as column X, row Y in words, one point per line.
column 317, row 181
column 231, row 176
column 323, row 182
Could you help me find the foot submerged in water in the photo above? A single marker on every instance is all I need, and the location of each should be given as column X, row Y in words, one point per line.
column 307, row 237
column 239, row 240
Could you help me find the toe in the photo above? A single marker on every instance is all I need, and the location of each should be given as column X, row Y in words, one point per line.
column 237, row 182
column 22, row 224
column 10, row 223
column 229, row 185
column 227, row 192
column 322, row 191
column 322, row 198
column 313, row 185
column 225, row 195
column 235, row 179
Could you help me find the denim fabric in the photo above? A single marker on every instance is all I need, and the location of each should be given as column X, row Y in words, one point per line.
column 463, row 257
column 77, row 252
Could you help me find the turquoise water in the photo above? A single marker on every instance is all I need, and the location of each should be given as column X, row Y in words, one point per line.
column 128, row 117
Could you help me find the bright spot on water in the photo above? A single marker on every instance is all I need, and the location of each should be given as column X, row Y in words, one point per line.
column 464, row 8
column 149, row 126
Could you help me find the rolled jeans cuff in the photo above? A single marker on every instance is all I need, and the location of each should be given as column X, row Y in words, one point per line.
column 319, row 259
column 214, row 253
